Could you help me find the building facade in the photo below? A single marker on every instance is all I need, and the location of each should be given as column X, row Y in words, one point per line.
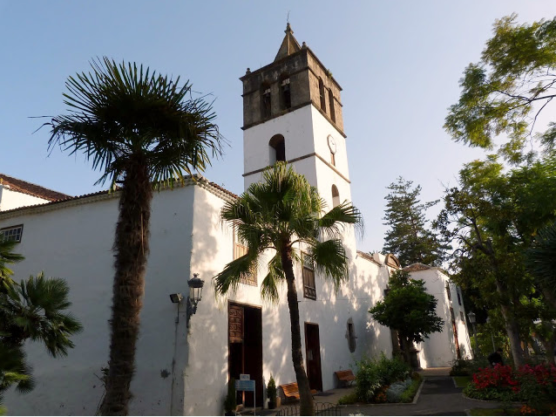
column 293, row 113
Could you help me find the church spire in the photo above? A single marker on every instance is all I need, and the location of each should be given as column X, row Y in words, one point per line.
column 289, row 44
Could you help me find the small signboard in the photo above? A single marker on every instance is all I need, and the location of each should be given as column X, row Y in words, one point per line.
column 244, row 377
column 245, row 385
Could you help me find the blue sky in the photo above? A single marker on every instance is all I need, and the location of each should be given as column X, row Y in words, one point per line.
column 398, row 63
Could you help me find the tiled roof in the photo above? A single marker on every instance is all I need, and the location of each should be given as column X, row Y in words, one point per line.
column 417, row 267
column 31, row 189
column 200, row 180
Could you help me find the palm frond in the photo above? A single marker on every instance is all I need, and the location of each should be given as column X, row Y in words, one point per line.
column 37, row 307
column 333, row 221
column 329, row 259
column 7, row 257
column 120, row 110
column 269, row 286
column 233, row 272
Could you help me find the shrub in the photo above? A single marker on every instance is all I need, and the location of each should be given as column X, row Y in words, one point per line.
column 348, row 399
column 374, row 376
column 367, row 380
column 230, row 403
column 271, row 392
column 392, row 370
column 410, row 392
column 534, row 385
column 460, row 367
column 395, row 391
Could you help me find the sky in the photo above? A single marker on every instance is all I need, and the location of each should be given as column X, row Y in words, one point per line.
column 398, row 62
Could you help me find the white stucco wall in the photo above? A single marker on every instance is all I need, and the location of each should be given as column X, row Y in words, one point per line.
column 10, row 199
column 439, row 349
column 74, row 243
column 305, row 132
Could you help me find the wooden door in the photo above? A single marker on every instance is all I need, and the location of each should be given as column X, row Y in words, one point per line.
column 312, row 350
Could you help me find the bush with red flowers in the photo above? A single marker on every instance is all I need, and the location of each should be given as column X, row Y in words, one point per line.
column 533, row 385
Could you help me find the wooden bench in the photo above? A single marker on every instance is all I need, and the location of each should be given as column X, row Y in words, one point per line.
column 291, row 390
column 346, row 376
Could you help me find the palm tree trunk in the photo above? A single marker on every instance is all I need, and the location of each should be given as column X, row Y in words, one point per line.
column 131, row 247
column 306, row 405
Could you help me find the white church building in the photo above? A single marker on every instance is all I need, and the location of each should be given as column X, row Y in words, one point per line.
column 292, row 112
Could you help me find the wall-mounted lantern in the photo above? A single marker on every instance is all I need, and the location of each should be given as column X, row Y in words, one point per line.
column 195, row 295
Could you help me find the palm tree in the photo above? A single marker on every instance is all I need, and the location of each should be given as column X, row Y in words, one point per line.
column 138, row 128
column 283, row 213
column 33, row 309
column 7, row 256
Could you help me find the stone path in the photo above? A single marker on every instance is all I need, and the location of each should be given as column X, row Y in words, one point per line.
column 438, row 397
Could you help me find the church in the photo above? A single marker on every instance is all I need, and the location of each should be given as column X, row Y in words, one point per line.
column 190, row 346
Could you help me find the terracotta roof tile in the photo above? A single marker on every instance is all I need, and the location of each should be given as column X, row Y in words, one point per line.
column 31, row 189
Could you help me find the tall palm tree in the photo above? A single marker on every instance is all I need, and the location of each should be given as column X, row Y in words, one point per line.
column 138, row 128
column 284, row 213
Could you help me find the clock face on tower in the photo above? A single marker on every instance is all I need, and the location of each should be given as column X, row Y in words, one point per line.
column 332, row 144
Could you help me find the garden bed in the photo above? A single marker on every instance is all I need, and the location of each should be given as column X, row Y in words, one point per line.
column 532, row 388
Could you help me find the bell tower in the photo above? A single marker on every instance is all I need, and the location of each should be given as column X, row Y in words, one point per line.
column 292, row 112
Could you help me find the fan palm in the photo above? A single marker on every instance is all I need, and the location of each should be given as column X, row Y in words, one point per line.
column 283, row 213
column 33, row 309
column 7, row 256
column 138, row 128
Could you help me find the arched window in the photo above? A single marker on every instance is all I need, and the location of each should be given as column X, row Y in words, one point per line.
column 277, row 149
column 265, row 101
column 331, row 104
column 322, row 97
column 286, row 94
column 335, row 196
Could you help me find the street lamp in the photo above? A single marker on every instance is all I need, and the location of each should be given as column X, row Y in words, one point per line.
column 472, row 317
column 195, row 295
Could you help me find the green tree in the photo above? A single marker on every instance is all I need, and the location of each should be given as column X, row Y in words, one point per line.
column 541, row 256
column 138, row 127
column 409, row 310
column 493, row 216
column 408, row 237
column 283, row 213
column 505, row 92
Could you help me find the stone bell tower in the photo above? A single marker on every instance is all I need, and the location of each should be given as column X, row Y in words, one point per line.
column 292, row 112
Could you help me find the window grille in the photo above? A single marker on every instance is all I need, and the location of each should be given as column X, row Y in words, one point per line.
column 309, row 289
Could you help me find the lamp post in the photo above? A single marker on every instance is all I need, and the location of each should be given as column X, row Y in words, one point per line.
column 472, row 317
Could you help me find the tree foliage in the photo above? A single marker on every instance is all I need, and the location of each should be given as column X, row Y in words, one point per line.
column 504, row 93
column 408, row 308
column 493, row 216
column 408, row 237
column 283, row 215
